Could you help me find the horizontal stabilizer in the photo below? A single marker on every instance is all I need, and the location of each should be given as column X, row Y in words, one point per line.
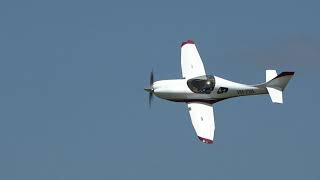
column 275, row 94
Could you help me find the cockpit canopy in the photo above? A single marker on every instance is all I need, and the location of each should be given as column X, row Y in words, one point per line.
column 202, row 84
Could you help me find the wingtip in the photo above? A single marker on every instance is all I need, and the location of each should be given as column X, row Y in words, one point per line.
column 189, row 41
column 204, row 140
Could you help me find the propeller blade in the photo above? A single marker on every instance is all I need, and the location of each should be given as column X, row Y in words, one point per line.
column 150, row 89
column 150, row 99
column 151, row 78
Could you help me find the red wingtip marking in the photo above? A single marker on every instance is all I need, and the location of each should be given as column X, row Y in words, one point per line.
column 187, row 42
column 204, row 140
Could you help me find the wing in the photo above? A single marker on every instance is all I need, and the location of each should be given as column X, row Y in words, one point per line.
column 202, row 120
column 191, row 63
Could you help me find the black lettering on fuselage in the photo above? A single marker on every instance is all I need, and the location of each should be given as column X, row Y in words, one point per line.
column 245, row 92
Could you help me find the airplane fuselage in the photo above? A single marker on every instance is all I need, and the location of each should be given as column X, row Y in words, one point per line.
column 177, row 90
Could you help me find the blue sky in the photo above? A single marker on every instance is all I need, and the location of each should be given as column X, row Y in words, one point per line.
column 72, row 103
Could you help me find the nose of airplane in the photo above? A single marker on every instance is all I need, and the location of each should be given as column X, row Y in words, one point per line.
column 156, row 85
column 159, row 90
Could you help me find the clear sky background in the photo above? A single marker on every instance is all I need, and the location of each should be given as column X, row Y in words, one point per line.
column 72, row 104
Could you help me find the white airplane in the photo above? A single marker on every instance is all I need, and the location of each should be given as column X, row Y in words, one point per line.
column 200, row 91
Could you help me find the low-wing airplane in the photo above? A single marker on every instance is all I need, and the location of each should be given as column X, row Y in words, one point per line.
column 200, row 91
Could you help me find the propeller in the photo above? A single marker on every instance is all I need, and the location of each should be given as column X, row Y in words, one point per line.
column 150, row 88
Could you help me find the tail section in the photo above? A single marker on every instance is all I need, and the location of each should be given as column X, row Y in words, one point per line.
column 276, row 84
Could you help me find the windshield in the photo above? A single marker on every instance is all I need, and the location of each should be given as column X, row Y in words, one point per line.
column 201, row 84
